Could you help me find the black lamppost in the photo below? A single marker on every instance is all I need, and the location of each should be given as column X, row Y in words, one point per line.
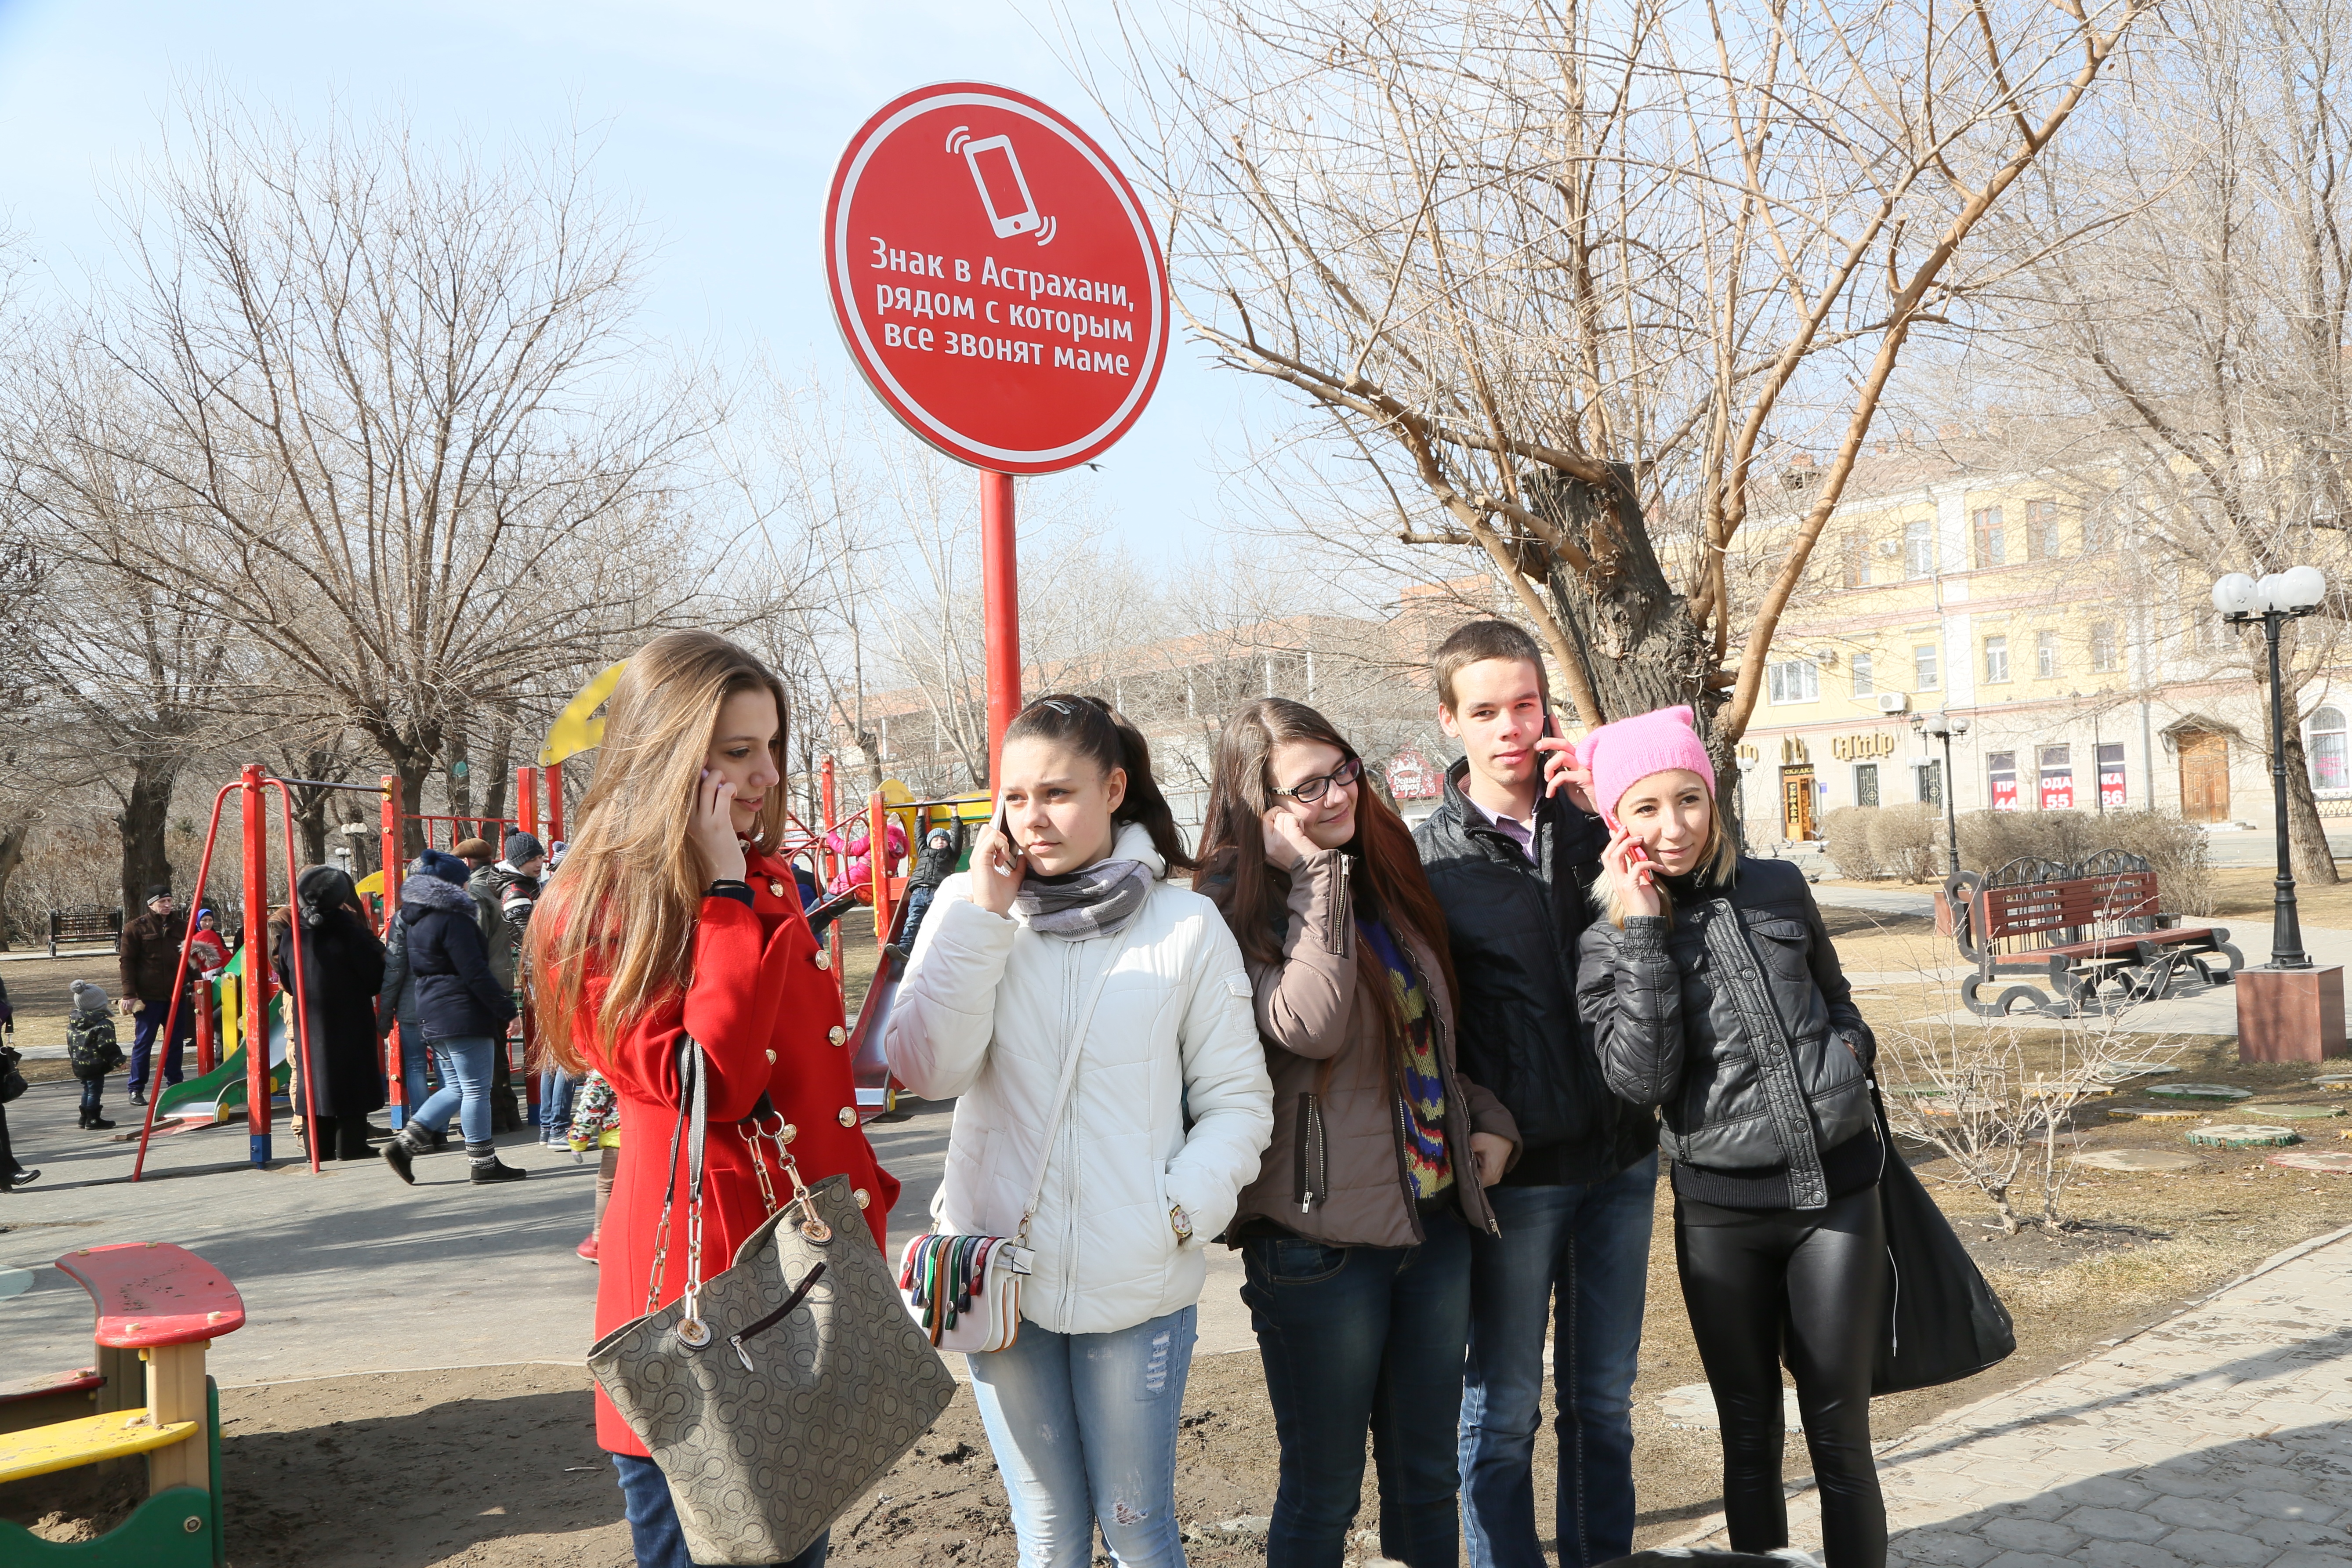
column 1943, row 727
column 2278, row 598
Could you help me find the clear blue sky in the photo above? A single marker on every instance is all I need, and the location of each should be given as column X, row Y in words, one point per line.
column 721, row 121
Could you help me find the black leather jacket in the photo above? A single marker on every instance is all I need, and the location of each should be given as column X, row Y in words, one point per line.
column 1692, row 1018
column 1513, row 927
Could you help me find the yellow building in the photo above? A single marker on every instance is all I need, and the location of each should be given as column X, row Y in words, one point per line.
column 2091, row 676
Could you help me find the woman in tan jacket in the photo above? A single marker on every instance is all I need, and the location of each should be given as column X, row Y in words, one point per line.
column 1356, row 1235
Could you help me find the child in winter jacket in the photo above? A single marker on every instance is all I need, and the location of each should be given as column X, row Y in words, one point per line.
column 91, row 1049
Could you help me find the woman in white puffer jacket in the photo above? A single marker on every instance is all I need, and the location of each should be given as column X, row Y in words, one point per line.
column 1065, row 910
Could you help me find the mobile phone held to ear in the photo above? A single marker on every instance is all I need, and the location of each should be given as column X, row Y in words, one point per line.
column 1641, row 857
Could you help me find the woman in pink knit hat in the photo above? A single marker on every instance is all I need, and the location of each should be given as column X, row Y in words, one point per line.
column 1712, row 992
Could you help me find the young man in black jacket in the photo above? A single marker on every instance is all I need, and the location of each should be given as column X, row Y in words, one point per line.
column 1511, row 865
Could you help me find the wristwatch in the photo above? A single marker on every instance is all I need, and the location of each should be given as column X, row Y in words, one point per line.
column 1181, row 1222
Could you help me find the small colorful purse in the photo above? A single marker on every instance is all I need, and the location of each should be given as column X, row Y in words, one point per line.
column 965, row 1290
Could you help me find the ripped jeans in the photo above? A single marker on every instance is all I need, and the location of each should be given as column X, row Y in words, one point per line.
column 1084, row 1428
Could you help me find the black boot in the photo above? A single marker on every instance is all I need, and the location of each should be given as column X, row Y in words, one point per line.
column 488, row 1167
column 405, row 1146
column 92, row 1121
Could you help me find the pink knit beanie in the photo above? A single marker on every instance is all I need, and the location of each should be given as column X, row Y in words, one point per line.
column 1622, row 754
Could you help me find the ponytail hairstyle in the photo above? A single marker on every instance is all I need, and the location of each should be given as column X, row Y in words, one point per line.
column 1387, row 883
column 623, row 906
column 1087, row 726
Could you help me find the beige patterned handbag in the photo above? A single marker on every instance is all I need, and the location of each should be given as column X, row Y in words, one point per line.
column 774, row 1394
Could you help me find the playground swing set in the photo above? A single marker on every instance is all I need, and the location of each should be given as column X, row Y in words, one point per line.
column 163, row 1306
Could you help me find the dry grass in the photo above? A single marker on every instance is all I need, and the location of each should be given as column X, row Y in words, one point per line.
column 2245, row 892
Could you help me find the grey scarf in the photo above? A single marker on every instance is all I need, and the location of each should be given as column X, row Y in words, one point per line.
column 1097, row 901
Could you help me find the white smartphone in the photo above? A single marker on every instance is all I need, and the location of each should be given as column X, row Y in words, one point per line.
column 1003, row 189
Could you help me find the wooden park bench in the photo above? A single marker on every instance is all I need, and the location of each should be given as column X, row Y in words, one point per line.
column 84, row 923
column 2093, row 933
column 159, row 1305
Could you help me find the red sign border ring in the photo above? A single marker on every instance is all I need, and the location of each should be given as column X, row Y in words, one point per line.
column 862, row 352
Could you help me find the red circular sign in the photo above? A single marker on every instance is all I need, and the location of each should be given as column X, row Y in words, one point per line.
column 995, row 277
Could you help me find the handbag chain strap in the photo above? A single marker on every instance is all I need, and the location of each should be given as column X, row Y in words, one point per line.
column 693, row 1110
column 1077, row 1048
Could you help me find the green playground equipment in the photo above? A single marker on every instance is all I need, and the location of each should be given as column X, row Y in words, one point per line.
column 217, row 1095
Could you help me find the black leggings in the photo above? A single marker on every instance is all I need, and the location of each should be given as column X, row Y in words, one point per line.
column 1810, row 1285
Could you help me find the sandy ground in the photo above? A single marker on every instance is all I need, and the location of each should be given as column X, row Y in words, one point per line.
column 498, row 1466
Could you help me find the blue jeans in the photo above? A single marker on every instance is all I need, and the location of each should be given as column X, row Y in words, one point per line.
column 556, row 1102
column 94, row 1091
column 654, row 1530
column 1084, row 1430
column 1357, row 1336
column 1577, row 1258
column 142, row 1041
column 465, row 1088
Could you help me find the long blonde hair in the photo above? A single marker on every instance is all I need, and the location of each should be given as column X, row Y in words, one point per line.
column 625, row 904
column 1717, row 866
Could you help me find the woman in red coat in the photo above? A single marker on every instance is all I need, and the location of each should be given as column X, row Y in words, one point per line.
column 673, row 915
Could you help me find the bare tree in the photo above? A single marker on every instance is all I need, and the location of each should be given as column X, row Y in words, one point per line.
column 388, row 418
column 1561, row 277
column 2186, row 372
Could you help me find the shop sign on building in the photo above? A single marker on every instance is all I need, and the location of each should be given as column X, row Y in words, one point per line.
column 1412, row 778
column 2001, row 770
column 2111, row 773
column 2057, row 778
column 1862, row 747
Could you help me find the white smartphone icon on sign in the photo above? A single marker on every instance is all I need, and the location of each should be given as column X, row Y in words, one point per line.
column 1003, row 188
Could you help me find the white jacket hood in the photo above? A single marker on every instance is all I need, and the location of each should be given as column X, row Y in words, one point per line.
column 985, row 1014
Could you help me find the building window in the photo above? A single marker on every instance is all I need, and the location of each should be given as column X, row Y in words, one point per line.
column 2323, row 746
column 2103, row 648
column 1865, row 783
column 2001, row 771
column 2057, row 778
column 2111, row 773
column 2045, row 654
column 1919, row 548
column 1862, row 684
column 1793, row 680
column 1922, row 667
column 1857, row 561
column 1930, row 777
column 1996, row 665
column 2041, row 529
column 1992, row 540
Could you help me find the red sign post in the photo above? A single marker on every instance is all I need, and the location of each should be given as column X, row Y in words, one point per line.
column 999, row 286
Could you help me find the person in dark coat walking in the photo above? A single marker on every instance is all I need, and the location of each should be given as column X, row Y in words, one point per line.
column 395, row 1004
column 464, row 1010
column 149, row 953
column 339, row 1080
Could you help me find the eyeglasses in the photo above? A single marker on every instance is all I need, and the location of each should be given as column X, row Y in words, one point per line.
column 1307, row 791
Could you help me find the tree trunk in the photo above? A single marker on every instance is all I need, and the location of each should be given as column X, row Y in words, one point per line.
column 12, row 855
column 412, row 757
column 461, row 773
column 500, row 778
column 145, row 818
column 2306, row 834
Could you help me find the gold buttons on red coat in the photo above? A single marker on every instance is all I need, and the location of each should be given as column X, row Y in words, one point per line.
column 824, row 959
column 788, row 1133
column 864, row 1198
column 849, row 1116
column 837, row 1035
column 777, row 889
column 771, row 1057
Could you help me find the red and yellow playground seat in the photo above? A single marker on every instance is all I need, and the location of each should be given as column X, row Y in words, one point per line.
column 162, row 1305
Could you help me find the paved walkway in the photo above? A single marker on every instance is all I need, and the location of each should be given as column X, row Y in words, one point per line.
column 350, row 1271
column 2220, row 1436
